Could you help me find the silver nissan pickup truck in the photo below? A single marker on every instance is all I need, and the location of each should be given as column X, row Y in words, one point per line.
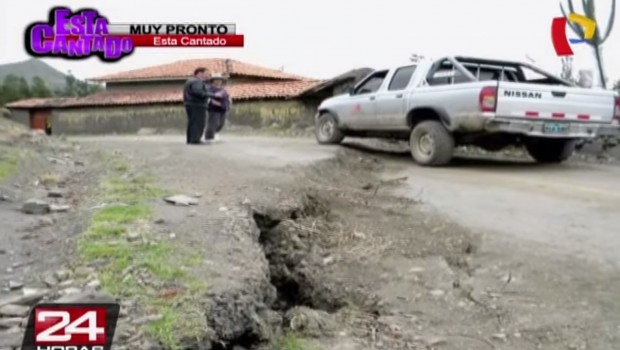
column 440, row 104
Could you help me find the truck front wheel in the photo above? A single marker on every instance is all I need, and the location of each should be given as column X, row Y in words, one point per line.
column 550, row 150
column 431, row 144
column 327, row 131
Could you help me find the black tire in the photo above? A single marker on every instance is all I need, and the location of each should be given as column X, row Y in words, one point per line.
column 550, row 150
column 327, row 131
column 431, row 144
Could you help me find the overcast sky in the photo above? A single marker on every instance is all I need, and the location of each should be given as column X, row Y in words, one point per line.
column 322, row 38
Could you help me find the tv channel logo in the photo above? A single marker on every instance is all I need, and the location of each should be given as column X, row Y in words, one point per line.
column 561, row 43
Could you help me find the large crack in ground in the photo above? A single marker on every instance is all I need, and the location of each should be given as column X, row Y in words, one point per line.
column 321, row 259
column 297, row 297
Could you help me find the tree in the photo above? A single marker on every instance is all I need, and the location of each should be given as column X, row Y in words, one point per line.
column 617, row 86
column 78, row 88
column 39, row 88
column 14, row 88
column 11, row 89
column 599, row 38
column 23, row 89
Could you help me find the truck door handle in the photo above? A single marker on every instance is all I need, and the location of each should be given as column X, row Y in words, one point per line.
column 399, row 96
column 372, row 98
column 558, row 93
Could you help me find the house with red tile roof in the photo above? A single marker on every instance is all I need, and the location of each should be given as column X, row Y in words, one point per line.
column 151, row 97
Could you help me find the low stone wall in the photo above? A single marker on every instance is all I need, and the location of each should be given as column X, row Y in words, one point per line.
column 130, row 119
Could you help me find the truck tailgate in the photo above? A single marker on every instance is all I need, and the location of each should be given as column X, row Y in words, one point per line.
column 522, row 100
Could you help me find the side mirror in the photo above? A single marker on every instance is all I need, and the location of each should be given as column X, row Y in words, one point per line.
column 351, row 90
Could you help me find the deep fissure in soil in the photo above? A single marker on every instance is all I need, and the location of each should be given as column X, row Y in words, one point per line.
column 294, row 259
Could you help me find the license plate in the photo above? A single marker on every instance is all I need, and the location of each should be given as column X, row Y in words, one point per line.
column 555, row 128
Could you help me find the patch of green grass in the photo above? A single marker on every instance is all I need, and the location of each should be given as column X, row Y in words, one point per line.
column 8, row 167
column 121, row 167
column 135, row 189
column 121, row 214
column 291, row 341
column 164, row 261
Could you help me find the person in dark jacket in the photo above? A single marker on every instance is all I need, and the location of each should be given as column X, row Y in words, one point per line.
column 195, row 98
column 217, row 107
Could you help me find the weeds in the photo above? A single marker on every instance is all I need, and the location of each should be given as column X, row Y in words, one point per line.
column 291, row 341
column 169, row 290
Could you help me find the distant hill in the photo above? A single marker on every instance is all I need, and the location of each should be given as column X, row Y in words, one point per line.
column 32, row 68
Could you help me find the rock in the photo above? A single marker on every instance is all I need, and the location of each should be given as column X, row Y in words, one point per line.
column 160, row 221
column 59, row 208
column 133, row 236
column 63, row 275
column 500, row 336
column 36, row 207
column 55, row 194
column 311, row 323
column 13, row 285
column 46, row 221
column 149, row 345
column 84, row 271
column 26, row 297
column 70, row 291
column 11, row 339
column 147, row 319
column 6, row 323
column 13, row 310
column 438, row 293
column 182, row 200
column 223, row 209
column 66, row 284
column 94, row 285
column 87, row 297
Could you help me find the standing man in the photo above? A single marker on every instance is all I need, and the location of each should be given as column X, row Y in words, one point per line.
column 217, row 107
column 195, row 98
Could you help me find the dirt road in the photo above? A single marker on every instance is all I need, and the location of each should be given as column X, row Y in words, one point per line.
column 569, row 209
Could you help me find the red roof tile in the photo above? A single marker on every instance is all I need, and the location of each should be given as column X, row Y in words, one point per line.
column 37, row 103
column 185, row 68
column 245, row 91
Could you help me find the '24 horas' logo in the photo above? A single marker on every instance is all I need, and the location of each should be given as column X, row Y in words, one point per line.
column 558, row 32
column 76, row 35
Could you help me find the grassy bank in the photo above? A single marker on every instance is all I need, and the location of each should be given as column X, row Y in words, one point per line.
column 153, row 271
column 10, row 158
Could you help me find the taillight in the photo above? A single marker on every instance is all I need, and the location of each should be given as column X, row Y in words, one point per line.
column 488, row 99
column 617, row 109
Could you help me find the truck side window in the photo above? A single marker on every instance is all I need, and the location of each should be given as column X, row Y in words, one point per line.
column 372, row 84
column 401, row 78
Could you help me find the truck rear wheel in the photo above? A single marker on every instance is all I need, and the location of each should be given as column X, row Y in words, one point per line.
column 431, row 144
column 327, row 131
column 550, row 150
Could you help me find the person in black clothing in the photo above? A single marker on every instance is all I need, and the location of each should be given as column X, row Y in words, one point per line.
column 195, row 98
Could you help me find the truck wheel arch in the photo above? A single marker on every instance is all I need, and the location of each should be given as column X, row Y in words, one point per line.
column 420, row 114
column 325, row 110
